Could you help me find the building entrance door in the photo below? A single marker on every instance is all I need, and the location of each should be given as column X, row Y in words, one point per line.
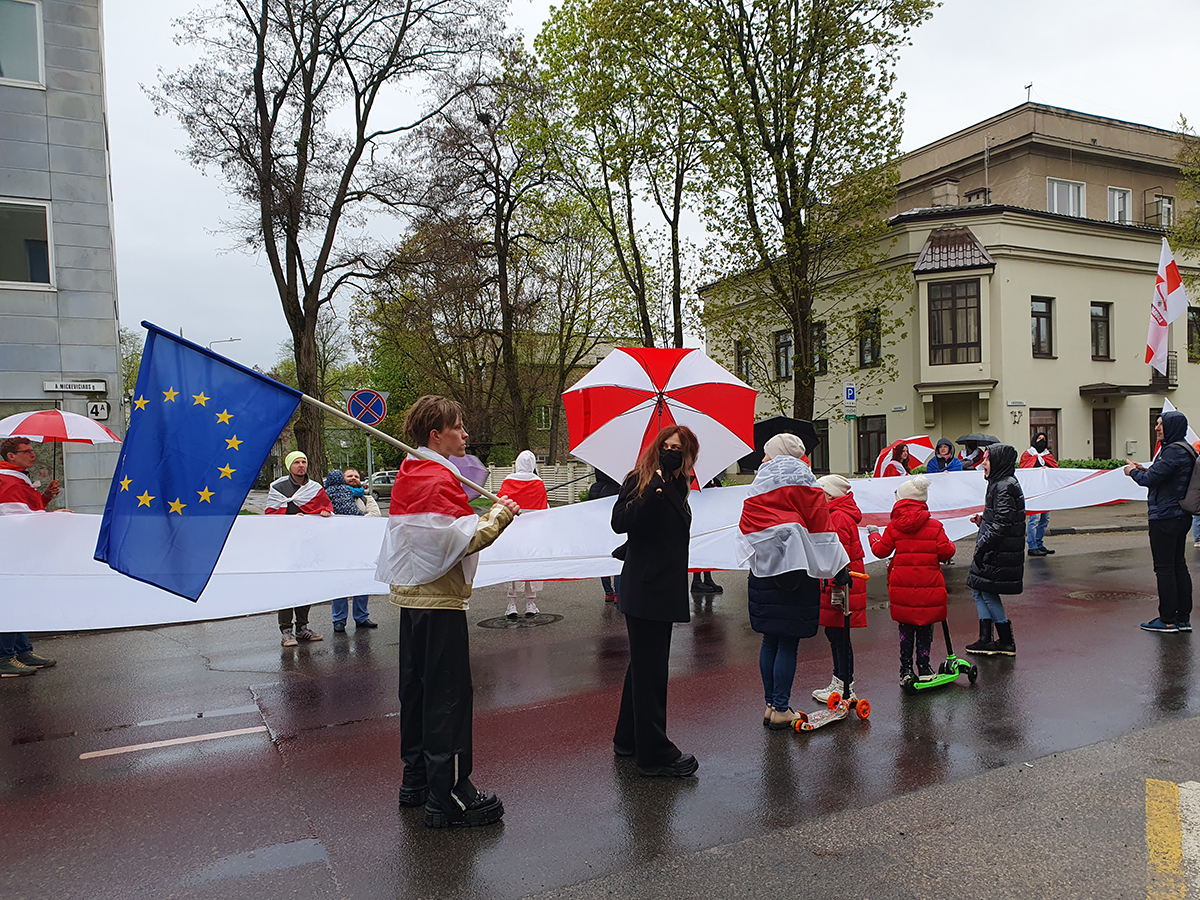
column 1102, row 434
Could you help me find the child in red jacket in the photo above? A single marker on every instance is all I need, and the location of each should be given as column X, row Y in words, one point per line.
column 916, row 587
column 845, row 516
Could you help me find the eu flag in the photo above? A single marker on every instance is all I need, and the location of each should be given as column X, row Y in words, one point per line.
column 200, row 429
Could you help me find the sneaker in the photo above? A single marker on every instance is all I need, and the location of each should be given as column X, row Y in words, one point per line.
column 307, row 634
column 906, row 675
column 366, row 623
column 40, row 662
column 1196, row 545
column 925, row 672
column 783, row 719
column 1161, row 626
column 14, row 668
column 1182, row 626
column 511, row 612
column 821, row 695
column 531, row 609
column 339, row 627
column 612, row 598
column 288, row 638
column 485, row 809
column 1038, row 551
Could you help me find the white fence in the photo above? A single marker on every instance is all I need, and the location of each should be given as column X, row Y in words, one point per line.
column 563, row 482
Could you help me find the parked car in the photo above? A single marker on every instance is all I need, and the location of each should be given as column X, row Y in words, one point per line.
column 381, row 484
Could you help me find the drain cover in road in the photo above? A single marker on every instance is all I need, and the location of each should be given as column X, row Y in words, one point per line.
column 1112, row 596
column 521, row 621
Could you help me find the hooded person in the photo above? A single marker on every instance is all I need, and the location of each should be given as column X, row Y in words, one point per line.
column 789, row 542
column 917, row 544
column 943, row 461
column 528, row 491
column 846, row 517
column 1038, row 456
column 1166, row 481
column 999, row 563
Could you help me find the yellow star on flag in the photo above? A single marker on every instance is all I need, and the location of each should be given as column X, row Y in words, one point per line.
column 140, row 402
column 177, row 507
column 200, row 399
column 169, row 395
column 224, row 416
column 205, row 494
column 226, row 472
column 144, row 499
column 125, row 482
column 233, row 443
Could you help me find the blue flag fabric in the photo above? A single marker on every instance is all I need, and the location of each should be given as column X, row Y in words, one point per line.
column 201, row 427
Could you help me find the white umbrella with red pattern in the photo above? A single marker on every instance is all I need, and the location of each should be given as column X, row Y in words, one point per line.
column 56, row 425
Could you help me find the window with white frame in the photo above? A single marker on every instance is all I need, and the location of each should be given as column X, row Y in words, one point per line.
column 21, row 42
column 541, row 418
column 1065, row 197
column 1166, row 210
column 1120, row 202
column 24, row 242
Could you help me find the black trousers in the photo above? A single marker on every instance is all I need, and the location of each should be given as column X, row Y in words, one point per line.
column 436, row 706
column 285, row 617
column 642, row 722
column 1168, row 539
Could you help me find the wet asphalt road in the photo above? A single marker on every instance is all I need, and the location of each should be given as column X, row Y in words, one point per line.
column 307, row 807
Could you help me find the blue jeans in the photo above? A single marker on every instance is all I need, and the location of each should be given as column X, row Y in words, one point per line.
column 1196, row 529
column 989, row 606
column 1035, row 529
column 14, row 642
column 611, row 585
column 360, row 608
column 777, row 663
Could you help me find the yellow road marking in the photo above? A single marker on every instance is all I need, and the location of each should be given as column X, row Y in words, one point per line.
column 1164, row 842
column 211, row 737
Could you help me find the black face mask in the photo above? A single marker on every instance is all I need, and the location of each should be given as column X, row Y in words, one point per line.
column 670, row 461
column 1040, row 445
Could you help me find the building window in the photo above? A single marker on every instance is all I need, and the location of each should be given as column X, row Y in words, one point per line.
column 24, row 242
column 872, row 438
column 1193, row 334
column 1164, row 211
column 820, row 362
column 541, row 418
column 741, row 360
column 954, row 322
column 1120, row 201
column 783, row 355
column 1045, row 420
column 1043, row 334
column 1101, row 331
column 1065, row 197
column 21, row 42
column 819, row 455
column 870, row 340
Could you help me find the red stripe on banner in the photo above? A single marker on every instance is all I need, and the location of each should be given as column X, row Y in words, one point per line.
column 425, row 486
column 784, row 506
column 591, row 408
column 730, row 404
column 1173, row 279
column 659, row 362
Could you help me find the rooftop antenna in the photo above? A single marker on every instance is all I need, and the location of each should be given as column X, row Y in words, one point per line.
column 1028, row 91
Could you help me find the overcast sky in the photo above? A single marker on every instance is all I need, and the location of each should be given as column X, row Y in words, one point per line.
column 973, row 60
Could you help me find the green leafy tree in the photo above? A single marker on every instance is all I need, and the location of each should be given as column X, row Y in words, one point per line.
column 1185, row 231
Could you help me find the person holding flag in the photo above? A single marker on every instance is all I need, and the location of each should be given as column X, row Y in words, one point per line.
column 528, row 491
column 429, row 556
column 295, row 494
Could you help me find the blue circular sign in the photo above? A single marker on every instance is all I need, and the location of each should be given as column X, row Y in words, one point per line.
column 367, row 406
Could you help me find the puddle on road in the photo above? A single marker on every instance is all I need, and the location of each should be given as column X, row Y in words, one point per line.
column 262, row 861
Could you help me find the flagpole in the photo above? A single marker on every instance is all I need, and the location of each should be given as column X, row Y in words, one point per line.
column 313, row 401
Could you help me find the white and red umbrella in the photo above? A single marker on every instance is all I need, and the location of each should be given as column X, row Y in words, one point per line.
column 616, row 409
column 56, row 425
column 920, row 447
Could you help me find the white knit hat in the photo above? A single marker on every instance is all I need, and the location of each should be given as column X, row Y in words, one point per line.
column 834, row 485
column 784, row 445
column 914, row 489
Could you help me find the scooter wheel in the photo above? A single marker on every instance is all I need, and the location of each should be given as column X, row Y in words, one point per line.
column 834, row 699
column 863, row 708
column 973, row 674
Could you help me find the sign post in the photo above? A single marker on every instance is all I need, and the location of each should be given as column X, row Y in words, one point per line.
column 370, row 408
column 850, row 413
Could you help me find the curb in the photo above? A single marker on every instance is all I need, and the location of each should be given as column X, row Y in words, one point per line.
column 1097, row 529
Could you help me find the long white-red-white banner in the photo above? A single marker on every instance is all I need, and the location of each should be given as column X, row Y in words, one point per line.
column 49, row 581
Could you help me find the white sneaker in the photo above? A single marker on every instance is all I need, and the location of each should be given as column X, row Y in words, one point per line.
column 511, row 612
column 851, row 695
column 821, row 695
column 531, row 609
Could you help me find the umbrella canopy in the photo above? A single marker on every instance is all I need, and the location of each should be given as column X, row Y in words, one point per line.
column 981, row 439
column 620, row 406
column 56, row 425
column 470, row 467
column 919, row 447
column 768, row 428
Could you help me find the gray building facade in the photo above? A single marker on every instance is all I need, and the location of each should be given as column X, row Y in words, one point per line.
column 59, row 343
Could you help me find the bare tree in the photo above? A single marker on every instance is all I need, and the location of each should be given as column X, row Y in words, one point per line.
column 286, row 103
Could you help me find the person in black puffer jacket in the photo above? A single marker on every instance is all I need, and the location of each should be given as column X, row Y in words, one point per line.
column 1167, row 481
column 999, row 563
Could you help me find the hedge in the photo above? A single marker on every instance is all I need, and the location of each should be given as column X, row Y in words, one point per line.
column 1091, row 463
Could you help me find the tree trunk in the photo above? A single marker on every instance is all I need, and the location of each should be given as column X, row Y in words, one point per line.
column 310, row 423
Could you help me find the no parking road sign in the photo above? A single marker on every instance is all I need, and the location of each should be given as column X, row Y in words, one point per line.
column 369, row 407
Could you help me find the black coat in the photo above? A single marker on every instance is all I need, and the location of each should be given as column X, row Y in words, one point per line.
column 654, row 579
column 1167, row 478
column 999, row 563
column 788, row 605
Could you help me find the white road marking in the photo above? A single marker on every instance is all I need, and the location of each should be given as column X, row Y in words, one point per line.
column 1189, row 820
column 173, row 742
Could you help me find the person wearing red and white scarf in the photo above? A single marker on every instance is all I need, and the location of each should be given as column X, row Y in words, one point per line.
column 295, row 494
column 789, row 540
column 528, row 491
column 429, row 557
column 1037, row 457
column 18, row 497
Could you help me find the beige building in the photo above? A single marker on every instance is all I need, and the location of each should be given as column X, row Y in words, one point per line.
column 1033, row 240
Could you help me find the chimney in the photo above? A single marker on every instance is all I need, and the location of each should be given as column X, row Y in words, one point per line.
column 945, row 193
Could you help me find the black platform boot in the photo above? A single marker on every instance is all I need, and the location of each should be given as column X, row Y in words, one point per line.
column 712, row 585
column 985, row 646
column 1005, row 645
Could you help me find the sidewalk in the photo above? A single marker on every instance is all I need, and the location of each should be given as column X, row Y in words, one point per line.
column 1128, row 516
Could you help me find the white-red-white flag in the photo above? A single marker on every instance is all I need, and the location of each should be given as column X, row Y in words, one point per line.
column 1170, row 300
